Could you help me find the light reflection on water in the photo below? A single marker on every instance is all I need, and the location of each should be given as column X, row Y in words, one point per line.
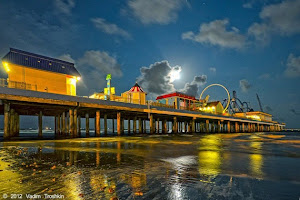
column 215, row 166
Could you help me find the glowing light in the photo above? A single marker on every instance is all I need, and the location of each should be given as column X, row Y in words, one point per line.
column 174, row 74
column 6, row 67
column 255, row 117
column 73, row 81
column 78, row 78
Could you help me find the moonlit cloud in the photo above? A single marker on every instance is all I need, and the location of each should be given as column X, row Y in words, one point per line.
column 216, row 33
column 109, row 28
column 281, row 18
column 67, row 58
column 155, row 11
column 156, row 79
column 93, row 66
column 245, row 85
column 193, row 87
column 64, row 6
column 213, row 69
column 293, row 66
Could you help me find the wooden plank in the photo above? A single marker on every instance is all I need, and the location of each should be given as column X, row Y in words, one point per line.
column 36, row 100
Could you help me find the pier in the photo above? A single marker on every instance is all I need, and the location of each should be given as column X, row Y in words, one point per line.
column 68, row 112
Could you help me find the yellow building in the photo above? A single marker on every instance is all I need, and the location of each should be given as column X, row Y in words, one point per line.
column 255, row 115
column 40, row 73
column 135, row 95
column 214, row 107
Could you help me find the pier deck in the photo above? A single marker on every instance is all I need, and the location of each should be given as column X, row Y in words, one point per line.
column 68, row 111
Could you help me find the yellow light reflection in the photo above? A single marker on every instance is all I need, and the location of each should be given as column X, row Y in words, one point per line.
column 256, row 159
column 210, row 155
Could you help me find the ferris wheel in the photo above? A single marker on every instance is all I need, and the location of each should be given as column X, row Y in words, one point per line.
column 216, row 84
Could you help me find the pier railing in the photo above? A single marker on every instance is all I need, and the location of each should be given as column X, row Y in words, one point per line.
column 17, row 85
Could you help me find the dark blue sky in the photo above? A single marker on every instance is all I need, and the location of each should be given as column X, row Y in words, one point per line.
column 251, row 46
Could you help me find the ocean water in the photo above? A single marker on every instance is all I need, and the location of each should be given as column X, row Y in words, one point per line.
column 188, row 166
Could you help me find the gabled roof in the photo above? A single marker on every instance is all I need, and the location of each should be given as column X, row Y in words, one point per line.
column 213, row 103
column 40, row 62
column 136, row 88
column 176, row 94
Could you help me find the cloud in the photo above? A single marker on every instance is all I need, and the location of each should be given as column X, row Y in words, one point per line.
column 293, row 111
column 100, row 61
column 193, row 87
column 109, row 28
column 213, row 69
column 216, row 34
column 67, row 58
column 293, row 66
column 268, row 109
column 247, row 5
column 282, row 18
column 265, row 76
column 261, row 32
column 93, row 67
column 155, row 79
column 64, row 6
column 245, row 85
column 155, row 11
column 41, row 33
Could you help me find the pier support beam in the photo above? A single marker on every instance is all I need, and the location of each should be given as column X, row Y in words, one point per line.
column 157, row 125
column 152, row 128
column 6, row 121
column 164, row 126
column 236, row 128
column 119, row 123
column 71, row 122
column 219, row 126
column 193, row 125
column 128, row 126
column 63, row 124
column 228, row 127
column 97, row 123
column 243, row 127
column 207, row 126
column 75, row 123
column 87, row 125
column 134, row 125
column 40, row 124
column 58, row 124
column 105, row 124
column 140, row 126
column 12, row 122
column 175, row 125
column 79, row 126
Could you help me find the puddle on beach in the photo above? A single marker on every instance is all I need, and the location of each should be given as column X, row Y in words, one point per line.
column 214, row 166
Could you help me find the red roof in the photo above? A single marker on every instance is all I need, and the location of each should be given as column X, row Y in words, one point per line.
column 176, row 94
column 136, row 88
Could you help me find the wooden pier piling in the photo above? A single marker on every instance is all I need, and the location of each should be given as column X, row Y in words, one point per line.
column 97, row 123
column 87, row 125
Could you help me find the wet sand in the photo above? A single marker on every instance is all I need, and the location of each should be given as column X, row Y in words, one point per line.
column 214, row 166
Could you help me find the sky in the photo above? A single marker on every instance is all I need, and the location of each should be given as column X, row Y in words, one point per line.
column 250, row 46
